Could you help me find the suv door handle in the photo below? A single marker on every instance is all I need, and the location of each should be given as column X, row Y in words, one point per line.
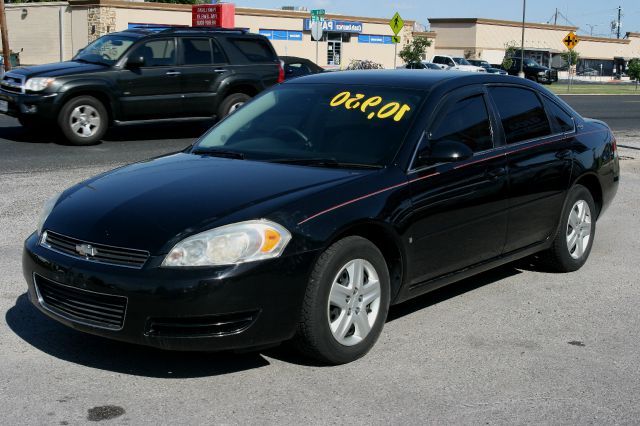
column 496, row 173
column 173, row 73
column 219, row 70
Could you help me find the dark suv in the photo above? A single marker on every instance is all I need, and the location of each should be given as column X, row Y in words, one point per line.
column 142, row 75
column 533, row 71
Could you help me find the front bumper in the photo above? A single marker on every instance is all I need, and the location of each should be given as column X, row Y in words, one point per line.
column 41, row 106
column 166, row 307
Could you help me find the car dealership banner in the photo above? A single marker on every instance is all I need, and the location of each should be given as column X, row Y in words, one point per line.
column 332, row 25
column 213, row 15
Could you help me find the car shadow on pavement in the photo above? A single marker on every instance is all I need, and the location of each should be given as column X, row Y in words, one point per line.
column 67, row 344
column 18, row 133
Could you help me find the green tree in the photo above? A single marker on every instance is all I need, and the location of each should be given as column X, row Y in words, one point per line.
column 510, row 51
column 413, row 50
column 570, row 57
column 633, row 69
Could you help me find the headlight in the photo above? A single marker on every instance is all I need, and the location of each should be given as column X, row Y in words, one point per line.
column 542, row 72
column 230, row 245
column 37, row 84
column 46, row 210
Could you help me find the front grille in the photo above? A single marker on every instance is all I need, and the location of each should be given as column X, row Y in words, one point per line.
column 82, row 306
column 94, row 252
column 553, row 74
column 12, row 83
column 210, row 325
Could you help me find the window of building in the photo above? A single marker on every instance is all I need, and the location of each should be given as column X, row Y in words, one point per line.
column 521, row 112
column 466, row 121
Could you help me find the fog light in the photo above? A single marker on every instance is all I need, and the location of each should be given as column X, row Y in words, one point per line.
column 29, row 109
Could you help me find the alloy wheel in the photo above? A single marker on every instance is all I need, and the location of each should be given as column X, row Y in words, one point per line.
column 578, row 229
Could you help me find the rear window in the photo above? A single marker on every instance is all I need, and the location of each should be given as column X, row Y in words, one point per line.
column 255, row 50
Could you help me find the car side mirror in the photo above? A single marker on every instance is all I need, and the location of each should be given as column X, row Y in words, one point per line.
column 444, row 151
column 134, row 62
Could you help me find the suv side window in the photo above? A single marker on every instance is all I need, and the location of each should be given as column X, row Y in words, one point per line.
column 466, row 121
column 562, row 121
column 255, row 50
column 157, row 53
column 521, row 112
column 196, row 51
column 437, row 60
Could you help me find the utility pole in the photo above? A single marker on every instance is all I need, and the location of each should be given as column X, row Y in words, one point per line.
column 524, row 8
column 618, row 26
column 555, row 17
column 5, row 38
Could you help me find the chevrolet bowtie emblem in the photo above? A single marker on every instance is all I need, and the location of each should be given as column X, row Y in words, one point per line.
column 86, row 250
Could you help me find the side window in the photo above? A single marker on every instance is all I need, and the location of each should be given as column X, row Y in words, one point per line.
column 451, row 63
column 466, row 121
column 255, row 50
column 196, row 51
column 521, row 112
column 437, row 60
column 157, row 53
column 562, row 121
column 218, row 55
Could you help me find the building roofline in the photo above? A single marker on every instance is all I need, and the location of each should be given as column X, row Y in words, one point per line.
column 500, row 22
column 604, row 39
column 632, row 34
column 245, row 11
column 429, row 34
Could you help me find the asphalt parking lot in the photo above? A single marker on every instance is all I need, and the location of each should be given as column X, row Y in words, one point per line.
column 516, row 345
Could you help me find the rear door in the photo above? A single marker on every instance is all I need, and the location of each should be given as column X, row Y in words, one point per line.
column 460, row 216
column 153, row 90
column 203, row 67
column 539, row 159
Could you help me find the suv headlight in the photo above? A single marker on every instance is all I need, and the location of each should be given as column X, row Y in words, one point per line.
column 46, row 211
column 230, row 245
column 36, row 84
column 542, row 73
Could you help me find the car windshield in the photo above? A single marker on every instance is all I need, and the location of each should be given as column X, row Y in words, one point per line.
column 461, row 61
column 106, row 50
column 531, row 63
column 323, row 125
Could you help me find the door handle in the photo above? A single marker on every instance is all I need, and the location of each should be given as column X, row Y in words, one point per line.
column 219, row 70
column 494, row 174
column 173, row 73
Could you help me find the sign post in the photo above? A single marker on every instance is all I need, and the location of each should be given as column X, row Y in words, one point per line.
column 570, row 40
column 317, row 16
column 396, row 23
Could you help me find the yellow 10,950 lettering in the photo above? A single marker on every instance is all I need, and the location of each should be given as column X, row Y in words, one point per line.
column 358, row 101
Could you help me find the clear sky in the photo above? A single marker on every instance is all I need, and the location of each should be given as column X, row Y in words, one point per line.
column 592, row 16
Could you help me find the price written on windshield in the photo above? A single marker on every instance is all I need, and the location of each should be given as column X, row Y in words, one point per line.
column 365, row 104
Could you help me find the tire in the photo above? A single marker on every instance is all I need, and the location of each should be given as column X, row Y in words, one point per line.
column 342, row 316
column 578, row 219
column 231, row 103
column 83, row 120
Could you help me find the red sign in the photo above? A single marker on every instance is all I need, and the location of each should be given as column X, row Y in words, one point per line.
column 213, row 15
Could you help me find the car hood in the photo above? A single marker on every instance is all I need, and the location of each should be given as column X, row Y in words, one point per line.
column 153, row 204
column 58, row 69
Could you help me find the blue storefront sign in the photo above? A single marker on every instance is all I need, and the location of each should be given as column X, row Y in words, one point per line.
column 282, row 34
column 333, row 26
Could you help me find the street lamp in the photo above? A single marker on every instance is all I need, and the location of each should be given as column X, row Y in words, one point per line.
column 591, row 27
column 521, row 73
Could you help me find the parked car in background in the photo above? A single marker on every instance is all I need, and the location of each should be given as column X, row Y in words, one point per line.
column 142, row 75
column 422, row 65
column 588, row 72
column 487, row 66
column 533, row 71
column 456, row 63
column 295, row 66
column 308, row 212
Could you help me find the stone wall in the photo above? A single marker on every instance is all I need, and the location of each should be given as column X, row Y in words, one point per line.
column 100, row 21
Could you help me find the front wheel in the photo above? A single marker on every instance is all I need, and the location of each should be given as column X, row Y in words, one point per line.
column 346, row 302
column 572, row 244
column 83, row 120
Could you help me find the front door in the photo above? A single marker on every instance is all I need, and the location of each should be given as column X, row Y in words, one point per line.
column 153, row 90
column 334, row 48
column 459, row 213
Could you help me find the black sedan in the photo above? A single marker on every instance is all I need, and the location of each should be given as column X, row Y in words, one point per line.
column 295, row 66
column 308, row 212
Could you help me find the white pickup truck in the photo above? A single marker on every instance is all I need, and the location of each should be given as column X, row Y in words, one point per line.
column 455, row 63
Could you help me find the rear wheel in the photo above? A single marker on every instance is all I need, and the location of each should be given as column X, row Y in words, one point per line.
column 83, row 120
column 573, row 242
column 232, row 103
column 346, row 302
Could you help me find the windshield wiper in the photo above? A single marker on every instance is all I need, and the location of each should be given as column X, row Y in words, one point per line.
column 324, row 162
column 218, row 153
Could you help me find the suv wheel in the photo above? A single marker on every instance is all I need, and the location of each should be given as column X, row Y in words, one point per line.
column 83, row 120
column 231, row 103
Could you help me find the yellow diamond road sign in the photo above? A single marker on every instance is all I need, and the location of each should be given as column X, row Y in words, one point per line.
column 396, row 23
column 571, row 40
column 395, row 39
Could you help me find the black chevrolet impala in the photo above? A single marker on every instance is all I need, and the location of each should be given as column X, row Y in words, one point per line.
column 306, row 213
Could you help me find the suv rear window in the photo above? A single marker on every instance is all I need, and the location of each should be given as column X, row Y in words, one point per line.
column 255, row 50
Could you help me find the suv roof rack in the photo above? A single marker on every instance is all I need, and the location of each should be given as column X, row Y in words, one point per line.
column 188, row 30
